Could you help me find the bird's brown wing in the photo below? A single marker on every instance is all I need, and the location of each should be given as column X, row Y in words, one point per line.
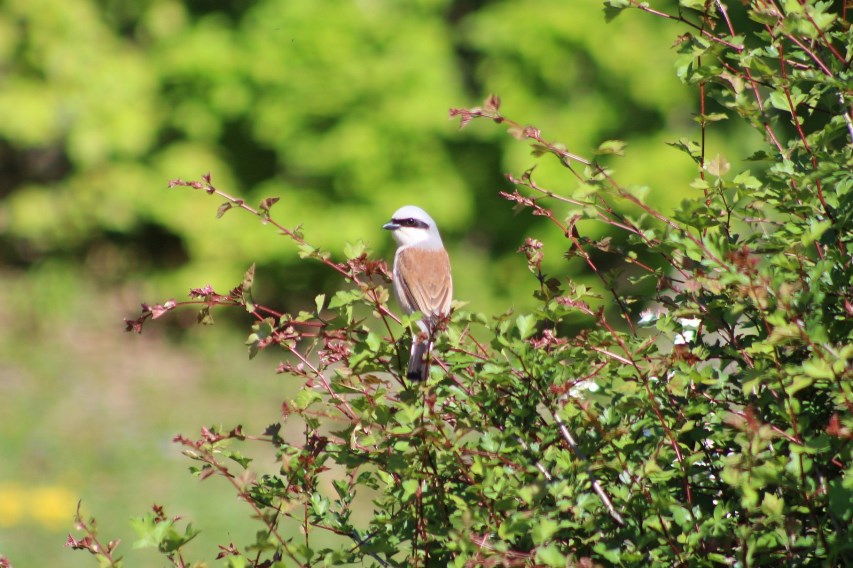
column 424, row 281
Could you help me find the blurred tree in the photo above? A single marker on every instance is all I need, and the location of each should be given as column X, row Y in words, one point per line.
column 339, row 109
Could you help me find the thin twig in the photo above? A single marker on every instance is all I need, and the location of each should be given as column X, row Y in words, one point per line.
column 596, row 484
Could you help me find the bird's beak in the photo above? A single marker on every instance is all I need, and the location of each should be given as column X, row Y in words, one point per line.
column 391, row 226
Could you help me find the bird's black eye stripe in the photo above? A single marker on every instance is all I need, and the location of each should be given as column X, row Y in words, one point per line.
column 411, row 222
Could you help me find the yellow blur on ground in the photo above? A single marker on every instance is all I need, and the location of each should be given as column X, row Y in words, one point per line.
column 51, row 507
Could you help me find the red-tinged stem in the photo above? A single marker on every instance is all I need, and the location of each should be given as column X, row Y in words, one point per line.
column 826, row 42
column 802, row 134
column 705, row 33
column 341, row 403
column 223, row 471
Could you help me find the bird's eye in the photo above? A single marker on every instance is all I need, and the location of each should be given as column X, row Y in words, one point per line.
column 410, row 222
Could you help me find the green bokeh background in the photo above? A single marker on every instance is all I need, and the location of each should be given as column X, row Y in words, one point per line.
column 340, row 109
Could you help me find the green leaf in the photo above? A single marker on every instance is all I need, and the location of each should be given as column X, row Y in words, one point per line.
column 204, row 316
column 526, row 325
column 305, row 398
column 512, row 526
column 614, row 147
column 237, row 457
column 799, row 383
column 307, row 251
column 778, row 99
column 816, row 229
column 612, row 555
column 689, row 147
column 746, row 179
column 410, row 487
column 253, row 342
column 319, row 505
column 354, row 250
column 818, row 368
column 551, row 556
column 156, row 532
column 237, row 562
column 544, row 530
column 772, row 505
column 374, row 342
column 681, row 516
column 713, row 117
column 262, row 331
column 613, row 8
column 344, row 298
column 641, row 192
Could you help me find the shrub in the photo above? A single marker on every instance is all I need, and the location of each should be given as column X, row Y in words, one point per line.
column 692, row 409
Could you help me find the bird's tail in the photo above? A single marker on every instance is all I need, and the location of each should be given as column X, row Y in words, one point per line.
column 419, row 361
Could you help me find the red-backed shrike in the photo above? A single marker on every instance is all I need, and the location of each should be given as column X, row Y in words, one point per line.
column 422, row 279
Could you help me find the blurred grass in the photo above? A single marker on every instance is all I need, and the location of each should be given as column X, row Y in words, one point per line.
column 89, row 411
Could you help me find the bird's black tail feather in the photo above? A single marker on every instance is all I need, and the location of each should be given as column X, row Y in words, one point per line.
column 419, row 361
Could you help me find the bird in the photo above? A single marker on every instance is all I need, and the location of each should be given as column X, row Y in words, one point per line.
column 422, row 279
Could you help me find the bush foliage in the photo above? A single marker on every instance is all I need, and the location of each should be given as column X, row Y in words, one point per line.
column 693, row 408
